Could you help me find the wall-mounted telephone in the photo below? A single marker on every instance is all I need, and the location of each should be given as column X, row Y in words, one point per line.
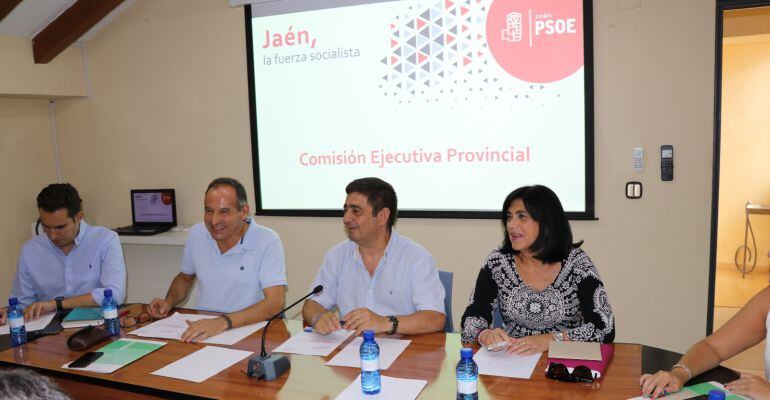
column 667, row 162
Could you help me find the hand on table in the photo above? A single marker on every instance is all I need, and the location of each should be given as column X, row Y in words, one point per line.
column 34, row 310
column 528, row 345
column 158, row 308
column 362, row 319
column 750, row 385
column 495, row 339
column 327, row 323
column 661, row 383
column 203, row 329
column 3, row 314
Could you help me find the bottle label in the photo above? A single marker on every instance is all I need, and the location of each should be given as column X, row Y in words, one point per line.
column 467, row 387
column 370, row 365
column 16, row 322
column 109, row 314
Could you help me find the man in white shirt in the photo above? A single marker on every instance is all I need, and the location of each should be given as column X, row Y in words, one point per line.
column 239, row 265
column 378, row 279
column 70, row 265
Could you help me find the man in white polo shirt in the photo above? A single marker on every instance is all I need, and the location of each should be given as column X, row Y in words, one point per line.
column 239, row 265
column 378, row 279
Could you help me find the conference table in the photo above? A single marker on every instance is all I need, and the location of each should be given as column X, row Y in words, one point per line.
column 431, row 357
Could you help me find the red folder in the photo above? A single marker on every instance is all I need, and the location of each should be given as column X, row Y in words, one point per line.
column 597, row 367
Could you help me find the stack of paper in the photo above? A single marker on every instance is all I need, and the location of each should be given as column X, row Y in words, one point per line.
column 313, row 344
column 120, row 353
column 35, row 325
column 390, row 349
column 174, row 326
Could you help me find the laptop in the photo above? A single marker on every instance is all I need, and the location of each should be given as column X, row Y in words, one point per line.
column 152, row 211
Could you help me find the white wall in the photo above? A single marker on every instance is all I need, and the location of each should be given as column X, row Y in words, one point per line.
column 169, row 82
column 26, row 166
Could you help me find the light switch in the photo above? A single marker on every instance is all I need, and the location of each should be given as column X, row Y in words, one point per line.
column 634, row 190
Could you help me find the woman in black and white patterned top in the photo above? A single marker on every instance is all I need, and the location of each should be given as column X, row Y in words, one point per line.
column 545, row 286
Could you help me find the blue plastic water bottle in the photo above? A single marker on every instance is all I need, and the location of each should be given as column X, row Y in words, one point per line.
column 467, row 376
column 16, row 322
column 370, row 365
column 110, row 311
column 716, row 394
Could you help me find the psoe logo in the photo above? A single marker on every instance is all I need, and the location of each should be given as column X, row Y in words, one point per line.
column 512, row 31
column 536, row 40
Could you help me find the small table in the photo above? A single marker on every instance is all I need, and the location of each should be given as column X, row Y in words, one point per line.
column 751, row 209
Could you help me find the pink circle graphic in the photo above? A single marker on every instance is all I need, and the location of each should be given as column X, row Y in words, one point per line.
column 536, row 40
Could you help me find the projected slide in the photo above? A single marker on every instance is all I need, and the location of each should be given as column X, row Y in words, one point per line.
column 455, row 103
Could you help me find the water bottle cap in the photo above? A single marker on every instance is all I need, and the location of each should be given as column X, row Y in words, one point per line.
column 466, row 352
column 368, row 335
column 107, row 292
column 13, row 301
column 716, row 394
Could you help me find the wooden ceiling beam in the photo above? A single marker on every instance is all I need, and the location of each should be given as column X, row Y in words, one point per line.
column 6, row 6
column 68, row 27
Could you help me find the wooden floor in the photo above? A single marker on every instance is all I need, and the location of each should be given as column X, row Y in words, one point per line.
column 730, row 294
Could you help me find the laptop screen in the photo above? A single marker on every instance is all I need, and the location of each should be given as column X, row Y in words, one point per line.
column 154, row 206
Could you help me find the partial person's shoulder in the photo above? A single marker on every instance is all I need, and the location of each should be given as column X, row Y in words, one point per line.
column 579, row 263
column 761, row 301
column 496, row 256
column 264, row 233
column 341, row 248
column 102, row 233
column 404, row 243
column 36, row 243
column 198, row 231
column 496, row 253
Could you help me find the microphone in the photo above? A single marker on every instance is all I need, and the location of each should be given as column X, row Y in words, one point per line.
column 270, row 367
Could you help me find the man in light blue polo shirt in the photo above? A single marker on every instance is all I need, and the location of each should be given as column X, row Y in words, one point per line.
column 72, row 264
column 378, row 279
column 239, row 265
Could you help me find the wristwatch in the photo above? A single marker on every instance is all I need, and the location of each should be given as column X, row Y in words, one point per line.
column 393, row 324
column 58, row 303
column 558, row 336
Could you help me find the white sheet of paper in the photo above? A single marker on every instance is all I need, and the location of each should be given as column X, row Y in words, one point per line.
column 390, row 349
column 41, row 322
column 500, row 363
column 392, row 388
column 174, row 326
column 233, row 336
column 313, row 344
column 203, row 364
column 171, row 327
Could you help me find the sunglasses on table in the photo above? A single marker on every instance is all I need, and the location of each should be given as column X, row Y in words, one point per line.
column 559, row 372
column 131, row 321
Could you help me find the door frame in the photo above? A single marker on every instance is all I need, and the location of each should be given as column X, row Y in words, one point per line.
column 722, row 6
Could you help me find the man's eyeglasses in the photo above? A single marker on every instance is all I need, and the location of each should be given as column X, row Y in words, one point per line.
column 559, row 372
column 132, row 321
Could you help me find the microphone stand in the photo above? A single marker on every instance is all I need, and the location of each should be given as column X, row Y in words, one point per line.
column 270, row 367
